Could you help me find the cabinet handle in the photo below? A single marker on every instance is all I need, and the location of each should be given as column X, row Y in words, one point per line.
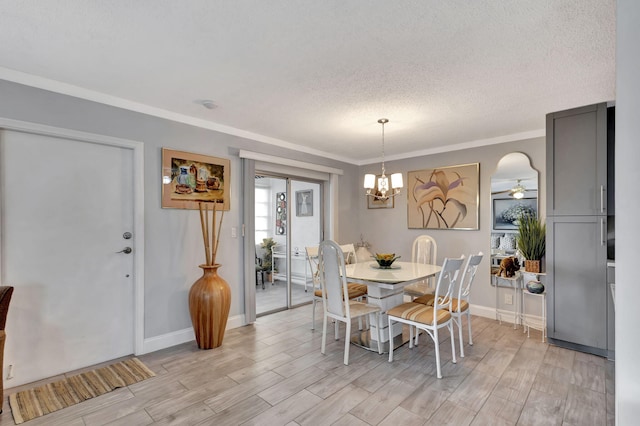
column 601, row 198
column 603, row 238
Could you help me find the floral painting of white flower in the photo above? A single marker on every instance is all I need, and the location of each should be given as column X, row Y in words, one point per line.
column 443, row 198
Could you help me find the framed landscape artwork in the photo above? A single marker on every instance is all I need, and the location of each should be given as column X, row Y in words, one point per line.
column 188, row 179
column 507, row 211
column 444, row 197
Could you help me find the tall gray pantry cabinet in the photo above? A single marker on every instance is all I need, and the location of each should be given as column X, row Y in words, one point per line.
column 576, row 255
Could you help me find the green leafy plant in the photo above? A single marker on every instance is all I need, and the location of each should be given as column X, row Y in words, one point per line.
column 531, row 237
column 267, row 245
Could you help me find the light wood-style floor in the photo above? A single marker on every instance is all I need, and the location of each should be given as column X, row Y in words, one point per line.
column 272, row 373
column 273, row 296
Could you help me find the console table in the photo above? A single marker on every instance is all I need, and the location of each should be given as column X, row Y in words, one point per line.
column 514, row 283
column 299, row 256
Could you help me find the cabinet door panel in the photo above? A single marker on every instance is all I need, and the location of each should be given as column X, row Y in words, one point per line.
column 577, row 161
column 577, row 292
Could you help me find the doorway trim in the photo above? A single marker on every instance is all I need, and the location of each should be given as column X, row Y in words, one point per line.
column 138, row 205
column 294, row 168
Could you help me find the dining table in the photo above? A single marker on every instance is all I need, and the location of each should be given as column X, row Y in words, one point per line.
column 385, row 289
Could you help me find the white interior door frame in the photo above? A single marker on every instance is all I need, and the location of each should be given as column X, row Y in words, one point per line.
column 138, row 204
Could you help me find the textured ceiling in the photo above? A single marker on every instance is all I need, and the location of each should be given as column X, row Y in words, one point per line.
column 319, row 74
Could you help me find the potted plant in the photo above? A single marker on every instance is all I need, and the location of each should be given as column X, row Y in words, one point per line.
column 531, row 241
column 267, row 245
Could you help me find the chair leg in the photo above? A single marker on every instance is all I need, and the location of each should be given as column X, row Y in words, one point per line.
column 453, row 343
column 390, row 345
column 336, row 330
column 411, row 337
column 436, row 343
column 469, row 324
column 459, row 324
column 380, row 335
column 313, row 314
column 324, row 334
column 347, row 341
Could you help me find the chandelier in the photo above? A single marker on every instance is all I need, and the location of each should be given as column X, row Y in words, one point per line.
column 383, row 191
column 517, row 191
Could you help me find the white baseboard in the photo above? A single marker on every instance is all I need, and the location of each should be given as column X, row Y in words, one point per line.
column 483, row 311
column 168, row 340
column 487, row 312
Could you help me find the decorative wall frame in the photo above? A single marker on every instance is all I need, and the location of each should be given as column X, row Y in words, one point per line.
column 376, row 203
column 281, row 213
column 507, row 211
column 189, row 178
column 444, row 197
column 304, row 202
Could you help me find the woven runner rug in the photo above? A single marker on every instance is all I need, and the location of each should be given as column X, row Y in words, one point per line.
column 45, row 399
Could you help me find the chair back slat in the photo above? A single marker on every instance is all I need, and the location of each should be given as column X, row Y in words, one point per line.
column 425, row 250
column 446, row 284
column 333, row 274
column 468, row 276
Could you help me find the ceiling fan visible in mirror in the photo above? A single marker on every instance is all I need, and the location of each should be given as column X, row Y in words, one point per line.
column 516, row 192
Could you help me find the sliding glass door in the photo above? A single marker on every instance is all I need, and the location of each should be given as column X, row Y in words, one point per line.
column 288, row 218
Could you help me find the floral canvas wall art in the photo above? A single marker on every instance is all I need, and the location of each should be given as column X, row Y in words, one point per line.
column 444, row 197
column 507, row 211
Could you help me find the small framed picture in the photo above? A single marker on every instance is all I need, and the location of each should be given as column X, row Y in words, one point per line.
column 189, row 178
column 378, row 203
column 304, row 202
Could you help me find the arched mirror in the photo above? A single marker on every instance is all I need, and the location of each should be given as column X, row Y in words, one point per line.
column 514, row 192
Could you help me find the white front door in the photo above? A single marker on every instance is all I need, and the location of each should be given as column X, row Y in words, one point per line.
column 65, row 207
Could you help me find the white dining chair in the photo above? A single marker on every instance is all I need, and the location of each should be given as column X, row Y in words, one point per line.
column 430, row 319
column 335, row 296
column 460, row 306
column 356, row 291
column 423, row 250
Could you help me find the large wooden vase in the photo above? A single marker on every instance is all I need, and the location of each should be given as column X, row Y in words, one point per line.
column 209, row 302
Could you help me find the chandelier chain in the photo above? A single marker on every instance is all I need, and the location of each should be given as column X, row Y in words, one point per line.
column 383, row 171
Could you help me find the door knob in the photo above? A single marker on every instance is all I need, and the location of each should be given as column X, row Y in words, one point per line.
column 125, row 250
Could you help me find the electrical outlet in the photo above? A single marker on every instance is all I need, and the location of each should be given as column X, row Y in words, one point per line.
column 234, row 232
column 508, row 299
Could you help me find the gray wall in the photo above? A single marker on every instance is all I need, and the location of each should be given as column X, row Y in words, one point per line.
column 386, row 229
column 173, row 240
column 628, row 235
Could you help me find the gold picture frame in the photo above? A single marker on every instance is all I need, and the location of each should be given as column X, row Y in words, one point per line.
column 444, row 198
column 376, row 203
column 188, row 179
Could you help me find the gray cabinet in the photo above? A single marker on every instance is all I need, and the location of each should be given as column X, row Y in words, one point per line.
column 577, row 161
column 577, row 294
column 576, row 258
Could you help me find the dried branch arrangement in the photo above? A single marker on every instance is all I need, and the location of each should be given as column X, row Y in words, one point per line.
column 211, row 236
